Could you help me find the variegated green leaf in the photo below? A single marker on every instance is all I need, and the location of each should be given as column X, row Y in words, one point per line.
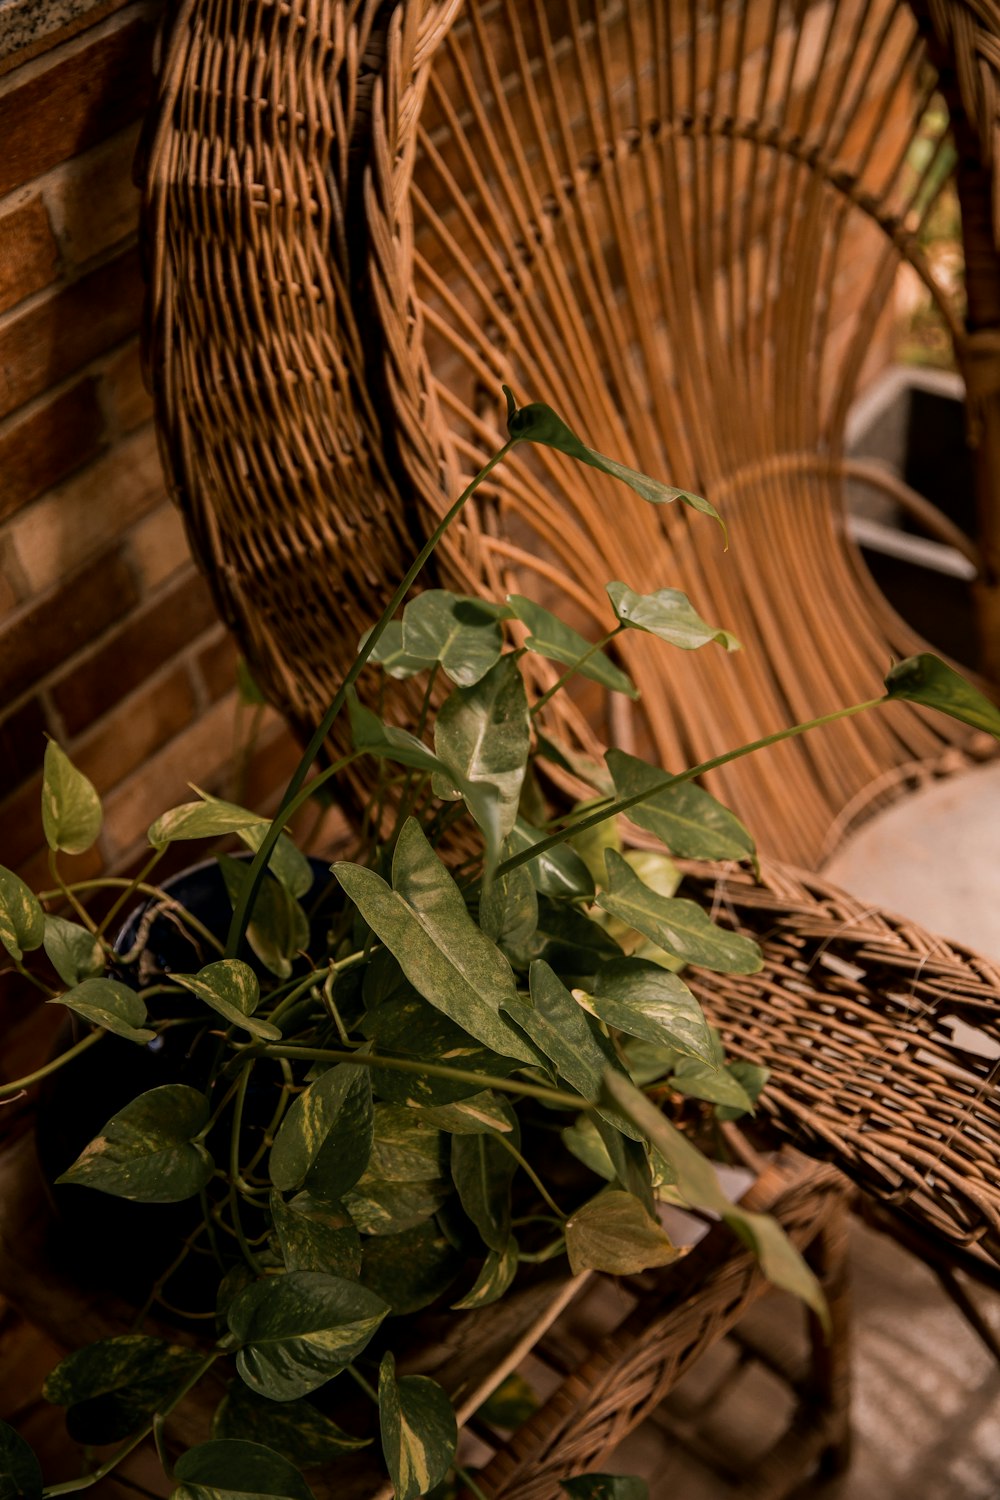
column 678, row 926
column 419, row 1431
column 108, row 1003
column 669, row 615
column 71, row 808
column 326, row 1135
column 149, row 1151
column 235, row 1469
column 73, row 952
column 615, row 1233
column 22, row 921
column 295, row 1332
column 231, row 988
column 498, row 1271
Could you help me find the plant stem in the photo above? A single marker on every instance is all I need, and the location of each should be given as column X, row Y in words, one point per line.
column 20, row 1084
column 244, row 906
column 428, row 1070
column 130, row 889
column 68, row 1486
column 576, row 667
column 65, row 891
column 470, row 1483
column 622, row 804
column 365, row 1385
column 234, row 1166
column 529, row 1169
column 26, row 973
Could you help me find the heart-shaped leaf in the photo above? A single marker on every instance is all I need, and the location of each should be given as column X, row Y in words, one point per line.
column 556, row 641
column 112, row 1387
column 928, row 680
column 22, row 921
column 326, row 1136
column 678, row 926
column 419, row 1431
column 231, row 988
column 424, row 923
column 668, row 614
column 299, row 1330
column 538, row 423
column 644, row 1000
column 148, row 1151
column 295, row 1429
column 234, row 1469
column 615, row 1233
column 498, row 1271
column 203, row 820
column 752, row 1079
column 315, row 1235
column 20, row 1472
column 463, row 634
column 107, row 1003
column 382, row 1206
column 287, row 863
column 484, row 733
column 71, row 808
column 412, row 1269
column 698, row 1185
column 73, row 952
column 406, row 1146
column 688, row 820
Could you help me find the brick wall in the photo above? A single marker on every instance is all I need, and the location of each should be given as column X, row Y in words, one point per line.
column 108, row 637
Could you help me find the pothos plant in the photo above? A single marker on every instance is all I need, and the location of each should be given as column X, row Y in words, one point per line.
column 388, row 1096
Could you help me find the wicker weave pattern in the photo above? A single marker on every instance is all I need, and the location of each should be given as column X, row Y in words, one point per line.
column 643, row 214
column 884, row 1046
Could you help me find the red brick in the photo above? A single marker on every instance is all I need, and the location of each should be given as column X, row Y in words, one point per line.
column 35, row 869
column 135, row 730
column 55, row 336
column 124, row 397
column 22, row 744
column 30, row 259
column 130, row 657
column 92, row 201
column 48, row 633
column 43, row 445
column 86, row 93
column 217, row 665
column 159, row 547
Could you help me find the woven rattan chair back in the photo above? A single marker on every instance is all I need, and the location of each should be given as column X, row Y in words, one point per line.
column 680, row 224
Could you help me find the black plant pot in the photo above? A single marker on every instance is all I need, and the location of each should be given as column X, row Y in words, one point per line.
column 138, row 1241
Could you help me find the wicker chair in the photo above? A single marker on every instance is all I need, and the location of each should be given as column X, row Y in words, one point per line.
column 360, row 219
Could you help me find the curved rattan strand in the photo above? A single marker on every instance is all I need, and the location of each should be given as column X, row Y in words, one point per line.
column 607, row 209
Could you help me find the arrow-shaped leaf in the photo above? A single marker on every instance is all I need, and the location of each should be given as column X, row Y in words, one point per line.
column 928, row 680
column 678, row 926
column 642, row 999
column 668, row 614
column 689, row 821
column 484, row 733
column 538, row 423
column 552, row 638
column 463, row 634
column 423, row 921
